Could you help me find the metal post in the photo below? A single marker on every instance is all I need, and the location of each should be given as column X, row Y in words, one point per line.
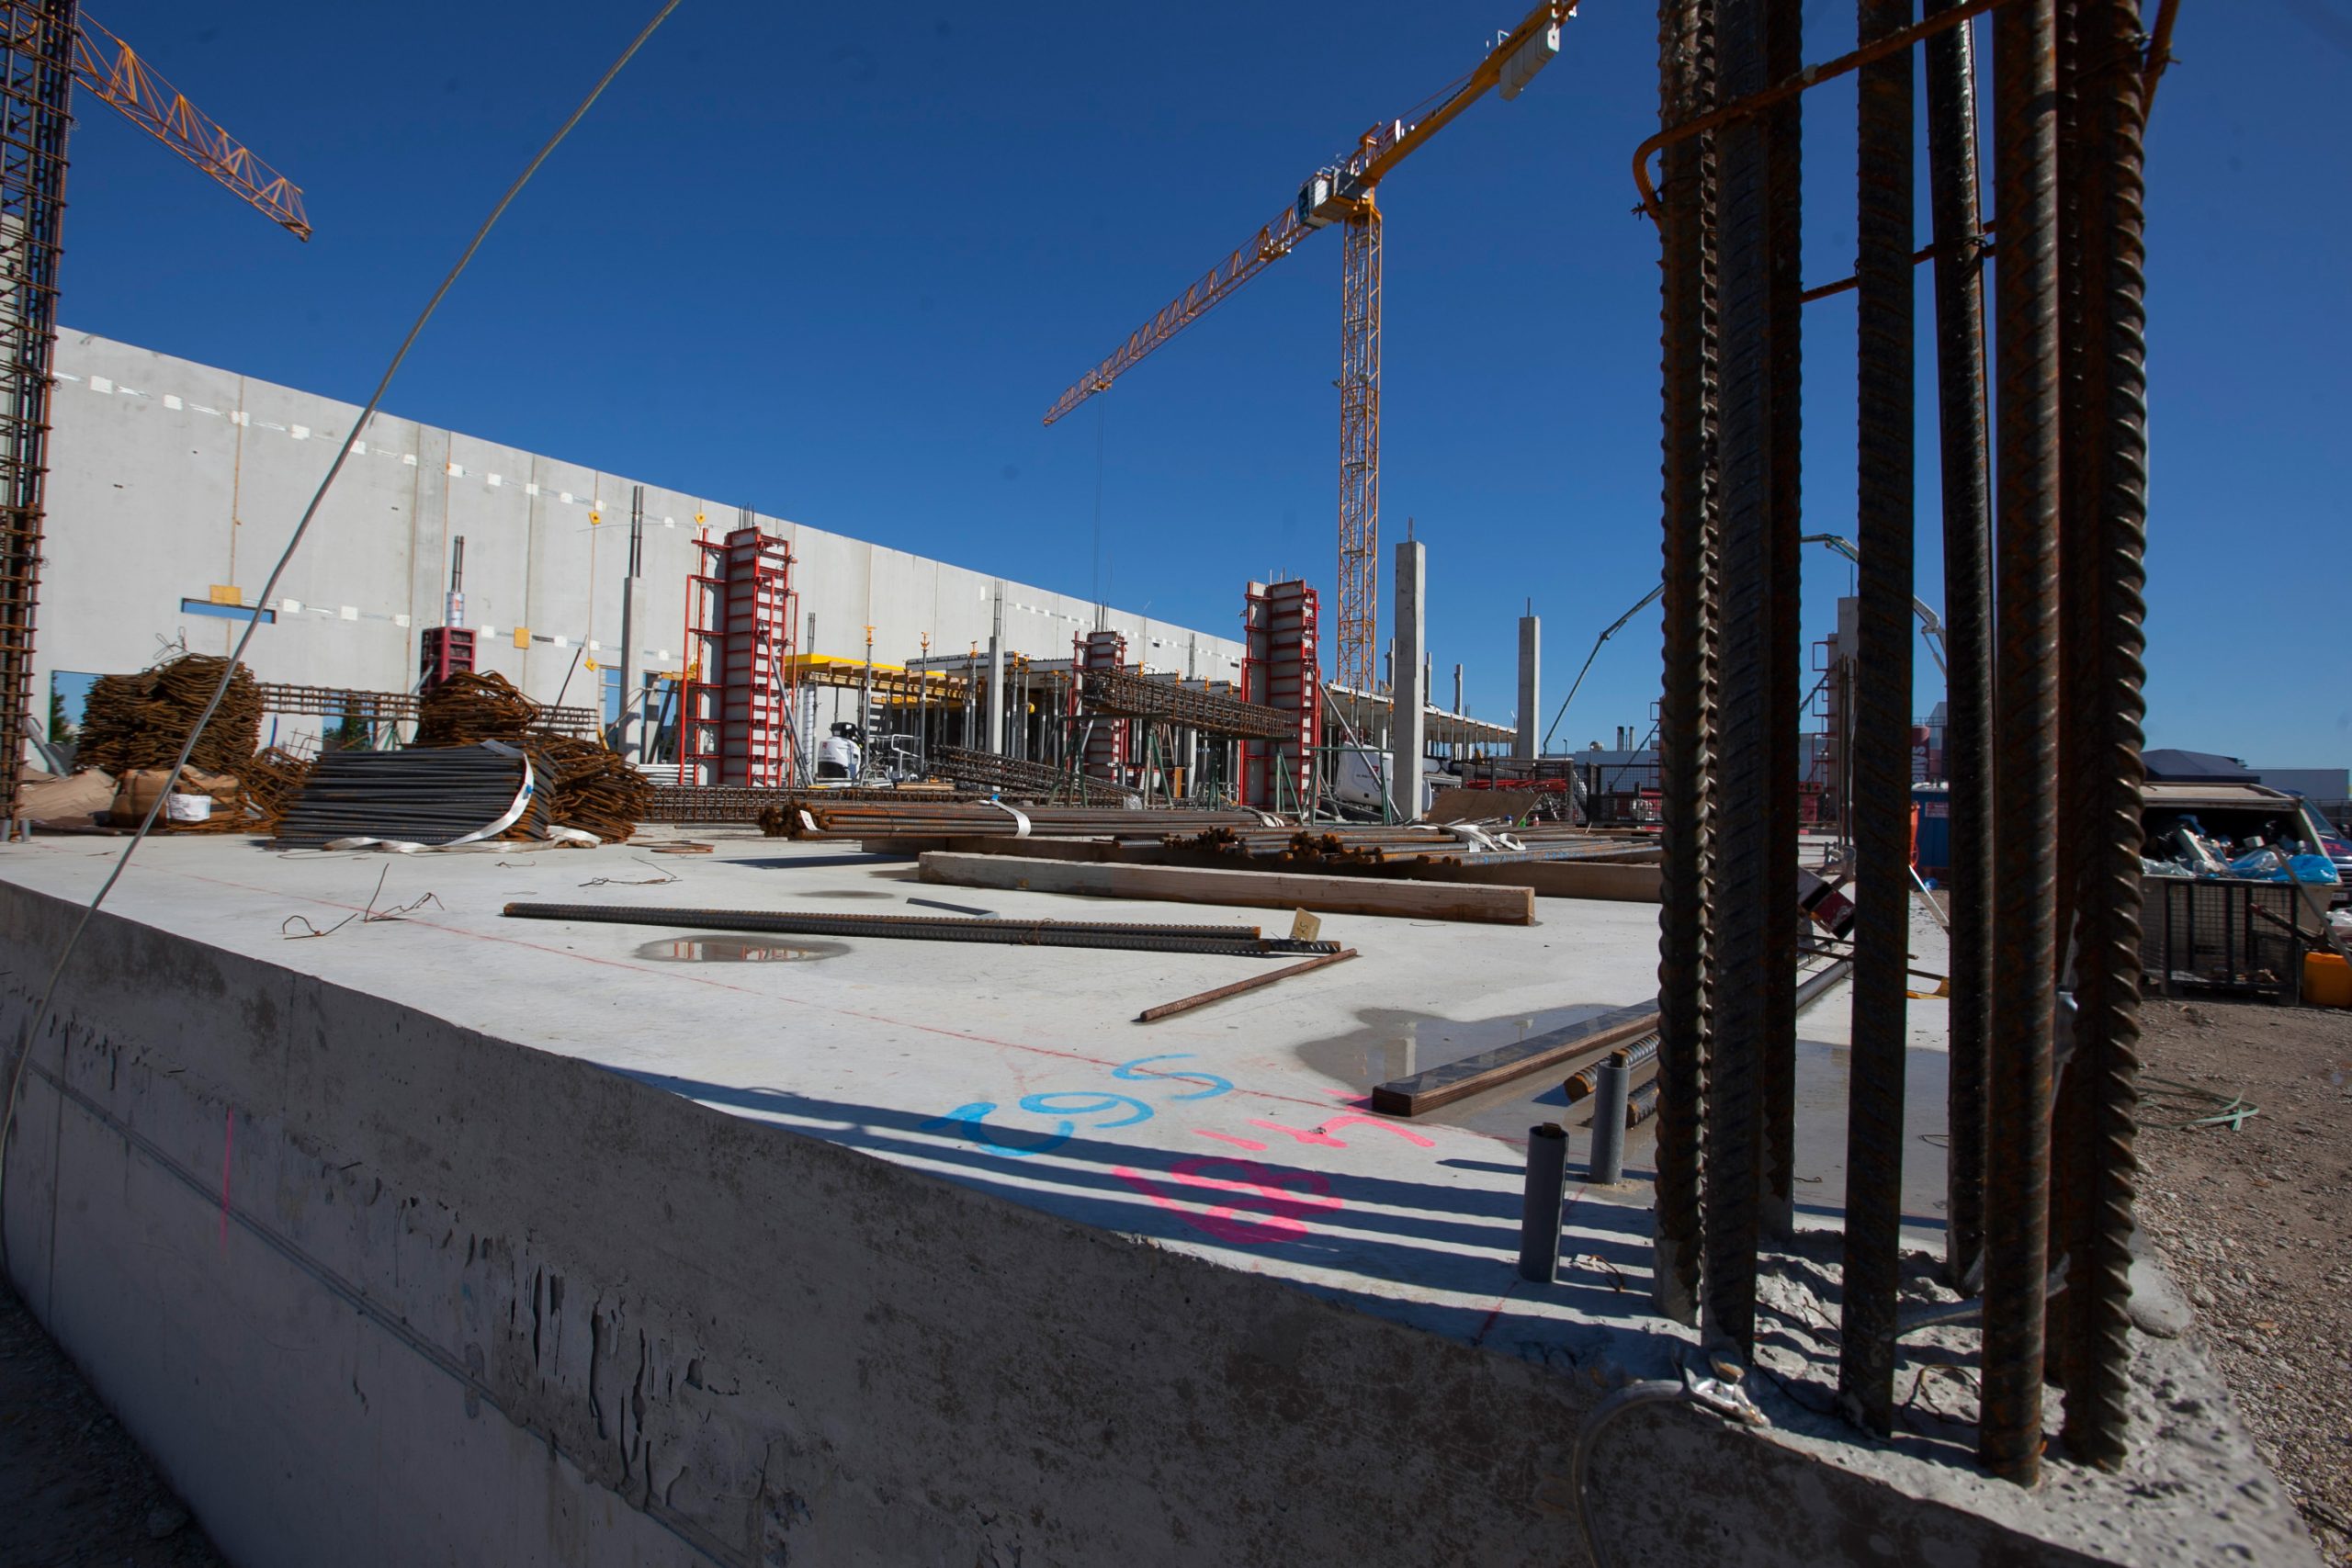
column 1539, row 1212
column 995, row 743
column 1607, row 1165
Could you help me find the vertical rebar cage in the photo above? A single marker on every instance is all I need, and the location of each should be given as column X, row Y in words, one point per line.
column 2046, row 780
column 36, row 78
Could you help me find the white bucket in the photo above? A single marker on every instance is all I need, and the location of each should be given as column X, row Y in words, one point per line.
column 187, row 807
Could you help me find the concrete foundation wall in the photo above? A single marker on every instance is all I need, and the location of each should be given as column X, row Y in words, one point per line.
column 378, row 1290
column 168, row 478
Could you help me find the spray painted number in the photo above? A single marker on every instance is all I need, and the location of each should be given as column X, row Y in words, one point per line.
column 1237, row 1201
column 970, row 1122
column 1135, row 1070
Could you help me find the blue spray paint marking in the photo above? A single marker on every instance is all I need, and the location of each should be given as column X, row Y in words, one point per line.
column 1043, row 1104
column 969, row 1122
column 1217, row 1085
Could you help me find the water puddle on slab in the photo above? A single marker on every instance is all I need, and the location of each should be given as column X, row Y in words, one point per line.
column 738, row 950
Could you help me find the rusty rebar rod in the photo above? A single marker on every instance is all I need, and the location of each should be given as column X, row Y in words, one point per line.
column 2113, row 94
column 1882, row 730
column 1756, row 102
column 1785, row 627
column 1968, row 615
column 2026, row 304
column 1747, row 899
column 1687, row 303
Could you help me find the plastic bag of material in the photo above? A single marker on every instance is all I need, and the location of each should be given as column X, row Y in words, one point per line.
column 2262, row 865
column 2313, row 869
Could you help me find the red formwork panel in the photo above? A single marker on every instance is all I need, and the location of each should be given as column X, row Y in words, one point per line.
column 736, row 718
column 1106, row 740
column 1281, row 667
column 448, row 651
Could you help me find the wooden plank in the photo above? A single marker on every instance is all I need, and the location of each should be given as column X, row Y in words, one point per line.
column 1256, row 982
column 1257, row 889
column 1424, row 1092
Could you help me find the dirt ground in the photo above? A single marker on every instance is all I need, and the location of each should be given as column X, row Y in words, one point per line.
column 74, row 1487
column 2252, row 1224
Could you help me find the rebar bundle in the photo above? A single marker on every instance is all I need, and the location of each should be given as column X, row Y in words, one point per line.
column 2045, row 847
column 428, row 796
column 1016, row 779
column 142, row 720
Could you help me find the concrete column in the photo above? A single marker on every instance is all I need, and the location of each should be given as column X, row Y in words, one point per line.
column 996, row 674
column 632, row 735
column 1410, row 693
column 1531, row 698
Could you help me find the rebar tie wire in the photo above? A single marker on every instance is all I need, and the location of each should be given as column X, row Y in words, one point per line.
column 74, row 939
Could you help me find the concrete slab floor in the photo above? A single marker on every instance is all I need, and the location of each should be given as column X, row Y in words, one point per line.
column 1238, row 1132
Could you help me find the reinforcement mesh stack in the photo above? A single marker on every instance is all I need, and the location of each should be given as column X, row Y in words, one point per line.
column 141, row 721
column 469, row 708
column 590, row 787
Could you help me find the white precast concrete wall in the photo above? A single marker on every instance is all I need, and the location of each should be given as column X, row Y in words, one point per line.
column 168, row 478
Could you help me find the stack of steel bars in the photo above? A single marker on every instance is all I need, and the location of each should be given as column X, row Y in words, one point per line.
column 432, row 796
column 715, row 804
column 1016, row 778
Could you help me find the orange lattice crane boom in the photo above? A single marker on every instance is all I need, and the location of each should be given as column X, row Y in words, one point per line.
column 1342, row 194
column 105, row 65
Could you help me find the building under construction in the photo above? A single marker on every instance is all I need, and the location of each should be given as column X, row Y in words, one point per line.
column 584, row 1023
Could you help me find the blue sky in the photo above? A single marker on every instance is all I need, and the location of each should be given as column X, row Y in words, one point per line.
column 836, row 268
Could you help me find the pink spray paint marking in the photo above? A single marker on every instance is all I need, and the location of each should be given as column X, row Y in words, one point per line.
column 1304, row 1134
column 228, row 1147
column 1235, row 1139
column 1286, row 1197
column 1321, row 1136
column 1418, row 1140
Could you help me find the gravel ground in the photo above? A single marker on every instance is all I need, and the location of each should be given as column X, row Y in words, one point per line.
column 2252, row 1224
column 74, row 1487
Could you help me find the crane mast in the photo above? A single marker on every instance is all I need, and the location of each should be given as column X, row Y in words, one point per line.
column 46, row 46
column 1343, row 194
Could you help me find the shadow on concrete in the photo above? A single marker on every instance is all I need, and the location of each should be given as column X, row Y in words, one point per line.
column 1391, row 1240
column 816, row 863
